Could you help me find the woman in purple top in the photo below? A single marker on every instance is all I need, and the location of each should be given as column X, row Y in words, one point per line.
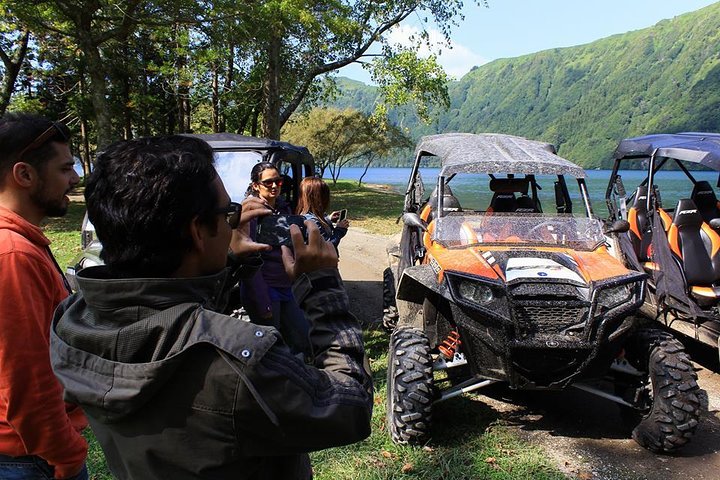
column 268, row 297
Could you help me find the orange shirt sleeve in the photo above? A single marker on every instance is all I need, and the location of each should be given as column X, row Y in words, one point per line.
column 31, row 398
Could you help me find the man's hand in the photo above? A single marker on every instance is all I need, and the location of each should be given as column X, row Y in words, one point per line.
column 240, row 243
column 315, row 255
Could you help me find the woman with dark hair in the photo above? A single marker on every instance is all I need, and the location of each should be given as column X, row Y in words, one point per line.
column 313, row 203
column 266, row 184
column 268, row 298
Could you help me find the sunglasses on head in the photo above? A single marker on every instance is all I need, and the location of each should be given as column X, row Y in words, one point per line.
column 271, row 181
column 232, row 214
column 53, row 131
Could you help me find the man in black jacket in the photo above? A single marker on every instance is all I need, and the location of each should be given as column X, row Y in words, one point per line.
column 174, row 389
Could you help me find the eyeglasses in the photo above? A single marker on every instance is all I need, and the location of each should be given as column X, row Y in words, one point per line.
column 271, row 181
column 232, row 214
column 52, row 131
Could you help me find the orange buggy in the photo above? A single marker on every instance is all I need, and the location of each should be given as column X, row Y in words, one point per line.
column 502, row 274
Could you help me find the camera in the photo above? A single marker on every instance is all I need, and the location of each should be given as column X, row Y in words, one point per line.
column 275, row 229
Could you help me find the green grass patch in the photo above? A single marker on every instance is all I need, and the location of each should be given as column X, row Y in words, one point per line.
column 64, row 233
column 373, row 209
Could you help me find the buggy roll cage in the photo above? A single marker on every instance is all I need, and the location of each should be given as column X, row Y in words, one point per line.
column 490, row 154
column 698, row 148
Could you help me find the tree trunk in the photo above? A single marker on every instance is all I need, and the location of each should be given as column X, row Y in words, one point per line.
column 271, row 91
column 127, row 111
column 215, row 100
column 367, row 165
column 98, row 95
column 254, row 126
column 85, row 156
column 86, row 163
column 229, row 78
column 12, row 70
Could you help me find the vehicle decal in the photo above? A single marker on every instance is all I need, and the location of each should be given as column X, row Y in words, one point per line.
column 488, row 256
column 435, row 266
column 533, row 267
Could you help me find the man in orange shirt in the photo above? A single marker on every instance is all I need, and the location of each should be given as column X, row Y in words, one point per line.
column 39, row 432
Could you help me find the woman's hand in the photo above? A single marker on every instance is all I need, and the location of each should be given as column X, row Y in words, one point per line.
column 344, row 223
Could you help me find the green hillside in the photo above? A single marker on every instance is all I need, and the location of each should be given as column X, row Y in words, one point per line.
column 584, row 99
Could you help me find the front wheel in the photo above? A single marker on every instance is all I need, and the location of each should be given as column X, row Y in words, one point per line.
column 668, row 395
column 410, row 386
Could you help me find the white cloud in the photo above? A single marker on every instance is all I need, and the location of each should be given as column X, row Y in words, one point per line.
column 457, row 61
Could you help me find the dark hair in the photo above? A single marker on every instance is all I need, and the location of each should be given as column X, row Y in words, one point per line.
column 18, row 131
column 256, row 173
column 142, row 196
column 314, row 197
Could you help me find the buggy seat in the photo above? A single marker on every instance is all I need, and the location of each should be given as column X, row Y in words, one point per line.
column 450, row 204
column 697, row 247
column 706, row 201
column 504, row 199
column 640, row 233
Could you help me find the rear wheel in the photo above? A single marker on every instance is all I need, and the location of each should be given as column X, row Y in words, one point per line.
column 667, row 396
column 410, row 386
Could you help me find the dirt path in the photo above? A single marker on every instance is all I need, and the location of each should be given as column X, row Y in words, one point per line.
column 362, row 261
column 584, row 434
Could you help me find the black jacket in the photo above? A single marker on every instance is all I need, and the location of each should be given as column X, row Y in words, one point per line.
column 174, row 390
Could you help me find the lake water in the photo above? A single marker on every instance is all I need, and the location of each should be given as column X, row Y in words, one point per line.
column 673, row 185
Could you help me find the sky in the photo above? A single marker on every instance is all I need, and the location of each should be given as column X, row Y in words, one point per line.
column 511, row 28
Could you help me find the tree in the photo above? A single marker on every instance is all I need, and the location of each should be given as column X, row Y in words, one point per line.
column 341, row 137
column 312, row 39
column 143, row 67
column 90, row 24
column 13, row 51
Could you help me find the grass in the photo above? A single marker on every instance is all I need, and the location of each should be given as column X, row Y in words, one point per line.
column 374, row 209
column 64, row 233
column 470, row 440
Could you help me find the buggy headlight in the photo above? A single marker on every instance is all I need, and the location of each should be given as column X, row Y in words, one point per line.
column 614, row 296
column 474, row 292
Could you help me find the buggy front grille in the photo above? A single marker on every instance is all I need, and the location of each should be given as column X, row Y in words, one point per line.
column 548, row 317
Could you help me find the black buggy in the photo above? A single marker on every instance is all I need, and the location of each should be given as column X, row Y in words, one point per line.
column 235, row 156
column 676, row 243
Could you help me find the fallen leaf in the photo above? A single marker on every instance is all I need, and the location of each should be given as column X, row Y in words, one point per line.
column 386, row 454
column 407, row 468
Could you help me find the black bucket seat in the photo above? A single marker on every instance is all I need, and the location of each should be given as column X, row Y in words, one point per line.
column 707, row 203
column 697, row 247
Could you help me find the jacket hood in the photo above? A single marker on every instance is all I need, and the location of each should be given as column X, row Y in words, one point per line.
column 12, row 221
column 117, row 342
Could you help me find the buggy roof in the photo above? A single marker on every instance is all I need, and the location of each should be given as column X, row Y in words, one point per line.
column 695, row 147
column 494, row 153
column 234, row 141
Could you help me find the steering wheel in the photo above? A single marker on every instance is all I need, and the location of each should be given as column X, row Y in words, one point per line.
column 534, row 231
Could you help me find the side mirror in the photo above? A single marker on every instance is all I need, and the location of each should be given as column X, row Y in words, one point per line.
column 715, row 223
column 618, row 226
column 413, row 220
